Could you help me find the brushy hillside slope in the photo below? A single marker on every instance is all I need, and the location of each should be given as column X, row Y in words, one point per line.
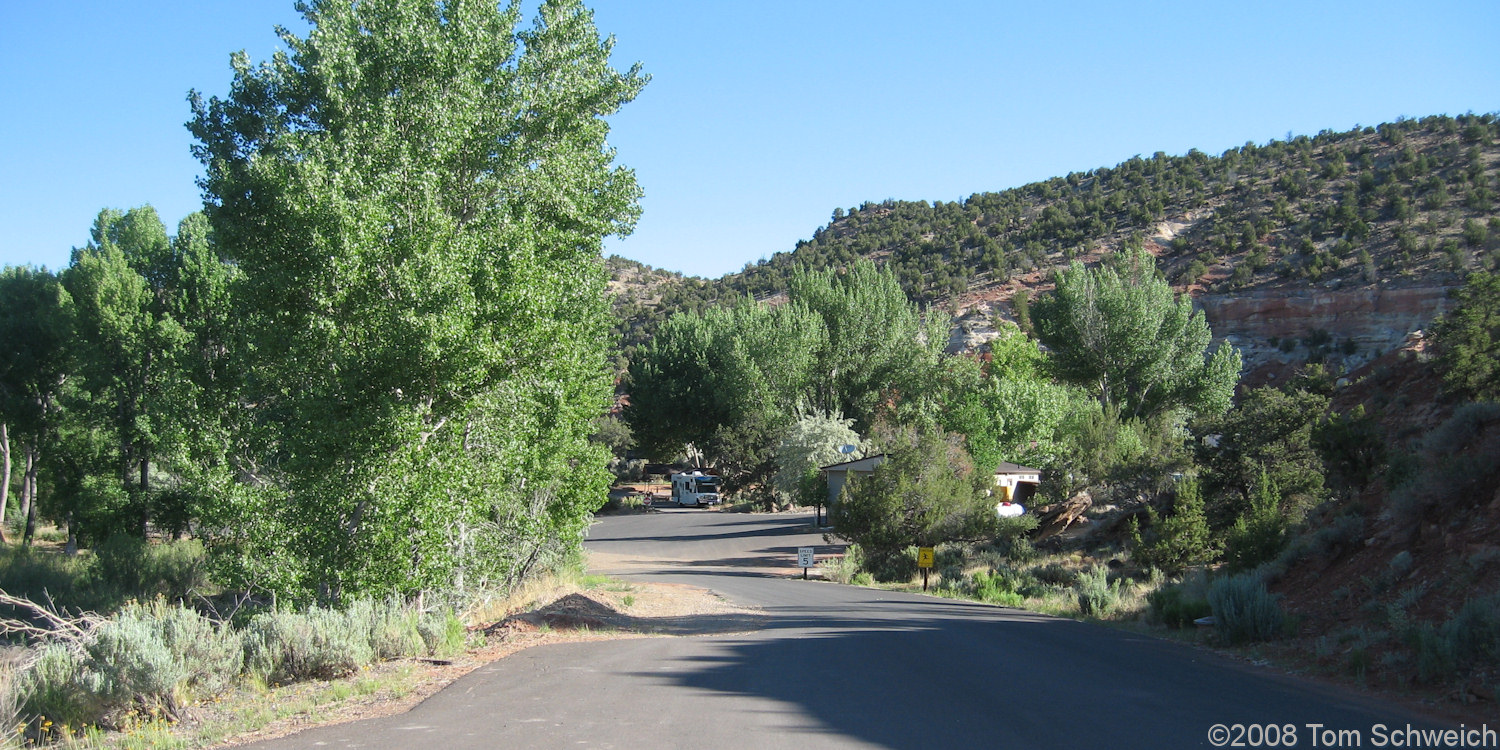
column 1406, row 204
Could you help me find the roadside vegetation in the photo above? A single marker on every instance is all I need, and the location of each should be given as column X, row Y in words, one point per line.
column 205, row 668
column 1219, row 532
column 347, row 401
column 352, row 405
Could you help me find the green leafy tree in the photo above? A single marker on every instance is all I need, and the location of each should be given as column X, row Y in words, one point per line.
column 727, row 381
column 415, row 196
column 1270, row 433
column 925, row 493
column 1015, row 411
column 812, row 442
column 674, row 382
column 1259, row 534
column 1468, row 338
column 1180, row 540
column 129, row 344
column 36, row 330
column 880, row 348
column 1120, row 332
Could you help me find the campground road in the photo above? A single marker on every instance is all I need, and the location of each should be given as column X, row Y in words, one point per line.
column 844, row 667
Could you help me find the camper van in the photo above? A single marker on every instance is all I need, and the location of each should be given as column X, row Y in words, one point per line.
column 695, row 488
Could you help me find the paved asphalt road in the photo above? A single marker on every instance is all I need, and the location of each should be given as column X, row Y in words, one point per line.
column 844, row 667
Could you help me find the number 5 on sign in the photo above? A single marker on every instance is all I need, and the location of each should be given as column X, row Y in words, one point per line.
column 924, row 557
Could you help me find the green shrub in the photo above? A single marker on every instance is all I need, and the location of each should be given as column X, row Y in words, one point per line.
column 38, row 575
column 56, row 687
column 319, row 643
column 1004, row 585
column 443, row 633
column 894, row 567
column 1260, row 534
column 392, row 627
column 993, row 587
column 1176, row 607
column 1097, row 595
column 1055, row 575
column 1243, row 610
column 136, row 568
column 1012, row 537
column 1181, row 540
column 1468, row 641
column 862, row 579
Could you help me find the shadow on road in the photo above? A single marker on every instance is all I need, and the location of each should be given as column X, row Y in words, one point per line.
column 1004, row 678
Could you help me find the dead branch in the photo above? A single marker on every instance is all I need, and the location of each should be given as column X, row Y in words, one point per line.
column 54, row 627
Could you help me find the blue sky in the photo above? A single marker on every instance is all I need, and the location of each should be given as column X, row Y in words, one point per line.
column 763, row 117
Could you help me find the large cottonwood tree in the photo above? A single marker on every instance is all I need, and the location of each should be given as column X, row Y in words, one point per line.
column 416, row 195
column 1119, row 331
column 36, row 326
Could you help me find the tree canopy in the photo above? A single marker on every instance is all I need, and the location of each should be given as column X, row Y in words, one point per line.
column 1119, row 331
column 1469, row 339
column 416, row 194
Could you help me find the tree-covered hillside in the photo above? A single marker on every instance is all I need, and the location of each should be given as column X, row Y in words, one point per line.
column 1413, row 199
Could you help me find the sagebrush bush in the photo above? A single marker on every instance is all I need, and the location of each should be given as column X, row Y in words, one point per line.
column 1097, row 595
column 320, row 644
column 1055, row 575
column 1243, row 610
column 159, row 655
column 212, row 654
column 443, row 633
column 56, row 687
column 10, row 706
column 843, row 569
column 134, row 665
column 1460, row 430
column 1468, row 641
column 391, row 627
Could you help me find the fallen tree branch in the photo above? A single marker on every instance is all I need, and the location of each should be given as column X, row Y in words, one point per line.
column 54, row 627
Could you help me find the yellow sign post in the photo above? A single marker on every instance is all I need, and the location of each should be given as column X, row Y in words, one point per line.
column 924, row 561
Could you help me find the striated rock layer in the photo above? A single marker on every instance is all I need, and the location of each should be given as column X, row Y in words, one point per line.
column 1361, row 323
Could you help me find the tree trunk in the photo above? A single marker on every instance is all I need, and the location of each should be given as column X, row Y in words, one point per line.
column 4, row 476
column 145, row 487
column 28, row 493
column 145, row 449
column 72, row 546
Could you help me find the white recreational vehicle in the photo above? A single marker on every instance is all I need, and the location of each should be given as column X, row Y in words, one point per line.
column 695, row 488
